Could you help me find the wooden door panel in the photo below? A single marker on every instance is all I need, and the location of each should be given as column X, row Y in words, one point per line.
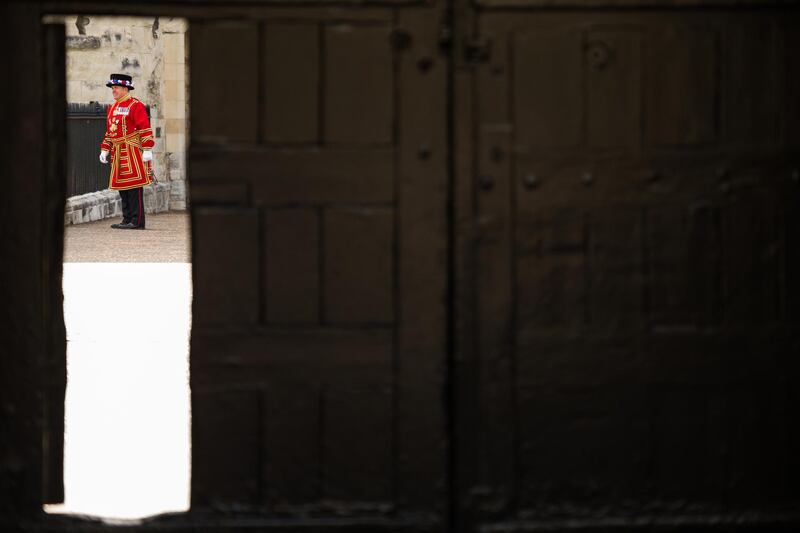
column 292, row 432
column 291, row 91
column 358, row 444
column 220, row 86
column 227, row 429
column 751, row 242
column 358, row 257
column 311, row 176
column 751, row 110
column 615, row 275
column 549, row 81
column 682, row 100
column 684, row 257
column 319, row 263
column 291, row 266
column 579, row 442
column 633, row 210
column 791, row 120
column 358, row 84
column 613, row 87
column 223, row 298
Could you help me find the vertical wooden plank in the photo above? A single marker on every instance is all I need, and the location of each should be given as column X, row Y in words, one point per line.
column 291, row 270
column 226, row 447
column 22, row 335
column 792, row 260
column 292, row 460
column 494, row 476
column 463, row 364
column 682, row 96
column 551, row 265
column 291, row 91
column 613, row 80
column 791, row 104
column 224, row 96
column 615, row 274
column 705, row 256
column 683, row 249
column 761, row 463
column 52, row 264
column 751, row 273
column 576, row 441
column 548, row 88
column 689, row 458
column 358, row 265
column 752, row 72
column 358, row 85
column 420, row 357
column 358, row 442
column 225, row 258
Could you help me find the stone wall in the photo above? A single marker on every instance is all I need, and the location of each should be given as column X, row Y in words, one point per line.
column 153, row 51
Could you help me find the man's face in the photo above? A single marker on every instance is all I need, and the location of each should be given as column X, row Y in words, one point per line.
column 118, row 91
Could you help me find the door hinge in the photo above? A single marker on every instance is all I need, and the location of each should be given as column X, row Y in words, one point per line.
column 477, row 50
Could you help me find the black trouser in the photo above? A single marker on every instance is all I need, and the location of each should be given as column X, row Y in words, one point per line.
column 133, row 206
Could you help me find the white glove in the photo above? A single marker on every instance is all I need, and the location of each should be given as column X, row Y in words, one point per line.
column 147, row 155
column 104, row 156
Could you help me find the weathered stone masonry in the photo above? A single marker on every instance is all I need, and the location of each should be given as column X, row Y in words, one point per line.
column 153, row 51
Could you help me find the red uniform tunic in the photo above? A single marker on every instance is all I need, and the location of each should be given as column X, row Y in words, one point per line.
column 127, row 134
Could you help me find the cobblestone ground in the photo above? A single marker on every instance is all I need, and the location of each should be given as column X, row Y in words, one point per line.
column 165, row 240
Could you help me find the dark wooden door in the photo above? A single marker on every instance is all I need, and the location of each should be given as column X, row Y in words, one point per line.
column 628, row 280
column 318, row 190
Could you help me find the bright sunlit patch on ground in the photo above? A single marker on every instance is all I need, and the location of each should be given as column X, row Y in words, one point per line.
column 126, row 452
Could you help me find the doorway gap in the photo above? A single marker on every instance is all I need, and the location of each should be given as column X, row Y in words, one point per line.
column 127, row 293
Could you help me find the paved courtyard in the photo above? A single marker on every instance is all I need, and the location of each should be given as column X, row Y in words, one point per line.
column 165, row 240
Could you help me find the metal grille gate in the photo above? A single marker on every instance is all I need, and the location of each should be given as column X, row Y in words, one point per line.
column 85, row 129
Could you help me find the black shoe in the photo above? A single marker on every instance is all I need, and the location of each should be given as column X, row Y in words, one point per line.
column 127, row 225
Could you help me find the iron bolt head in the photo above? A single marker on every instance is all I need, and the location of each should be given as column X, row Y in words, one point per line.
column 531, row 181
column 424, row 64
column 424, row 152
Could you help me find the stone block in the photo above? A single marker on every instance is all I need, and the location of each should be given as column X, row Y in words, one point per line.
column 173, row 25
column 104, row 204
column 177, row 198
column 147, row 61
column 175, row 109
column 74, row 91
column 175, row 71
column 171, row 69
column 175, row 90
column 178, row 71
column 176, row 142
column 176, row 160
column 173, row 48
column 83, row 42
column 175, row 125
column 176, row 175
column 140, row 38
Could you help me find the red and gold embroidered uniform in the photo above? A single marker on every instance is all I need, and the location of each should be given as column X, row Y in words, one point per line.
column 127, row 134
